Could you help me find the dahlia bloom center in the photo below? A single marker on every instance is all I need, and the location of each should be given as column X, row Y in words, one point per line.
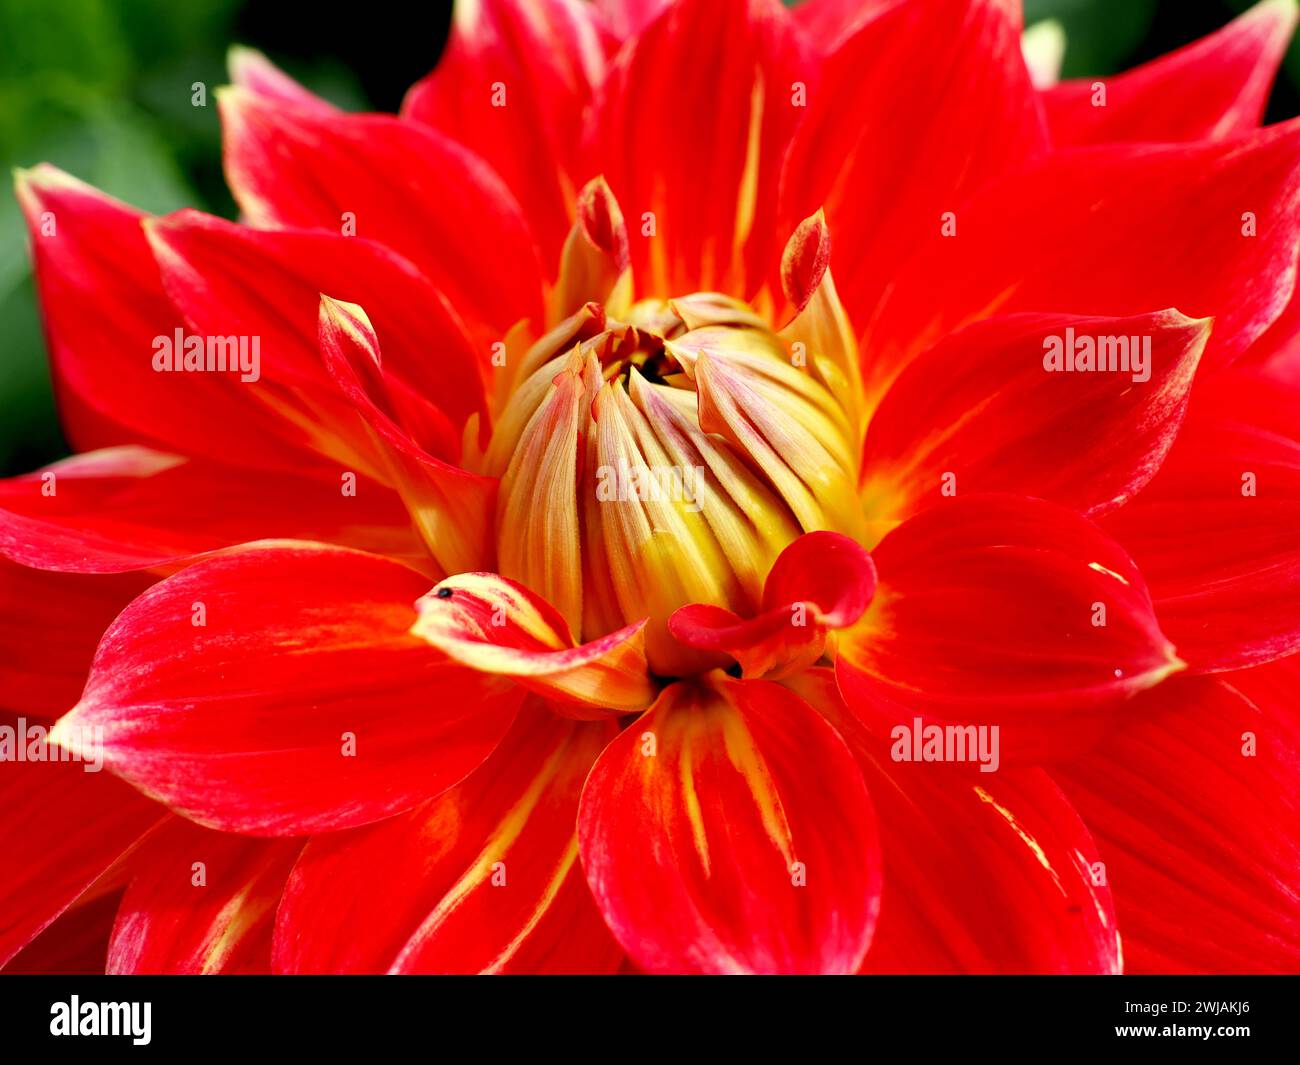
column 663, row 453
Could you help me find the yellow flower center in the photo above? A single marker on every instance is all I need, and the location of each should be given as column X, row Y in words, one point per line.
column 665, row 458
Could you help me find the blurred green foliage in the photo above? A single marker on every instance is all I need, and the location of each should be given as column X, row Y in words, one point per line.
column 104, row 90
column 1099, row 34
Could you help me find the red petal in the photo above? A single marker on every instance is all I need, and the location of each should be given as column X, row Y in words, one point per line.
column 1012, row 426
column 1196, row 810
column 998, row 610
column 203, row 902
column 729, row 830
column 986, row 875
column 511, row 86
column 300, row 704
column 401, row 184
column 104, row 309
column 452, row 509
column 130, row 508
column 651, row 101
column 828, row 22
column 250, row 69
column 805, row 260
column 75, row 945
column 62, row 828
column 1114, row 231
column 627, row 18
column 50, row 625
column 821, row 581
column 885, row 167
column 232, row 280
column 496, row 625
column 1215, row 87
column 483, row 878
column 1215, row 533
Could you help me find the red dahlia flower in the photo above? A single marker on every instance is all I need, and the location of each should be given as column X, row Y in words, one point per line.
column 706, row 488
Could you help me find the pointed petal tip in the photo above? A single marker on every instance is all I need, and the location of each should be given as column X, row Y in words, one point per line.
column 67, row 733
column 342, row 310
column 243, row 61
column 43, row 177
column 1286, row 11
column 806, row 259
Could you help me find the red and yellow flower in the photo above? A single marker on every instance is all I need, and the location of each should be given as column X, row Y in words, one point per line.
column 651, row 420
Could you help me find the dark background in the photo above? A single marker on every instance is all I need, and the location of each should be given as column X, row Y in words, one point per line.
column 102, row 89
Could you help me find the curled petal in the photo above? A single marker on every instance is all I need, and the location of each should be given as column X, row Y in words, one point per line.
column 595, row 260
column 493, row 624
column 787, row 424
column 538, row 527
column 805, row 260
column 451, row 508
column 822, row 581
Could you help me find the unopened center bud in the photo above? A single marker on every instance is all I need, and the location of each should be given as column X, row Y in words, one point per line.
column 663, row 459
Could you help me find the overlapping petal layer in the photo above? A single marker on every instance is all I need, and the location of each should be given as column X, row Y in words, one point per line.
column 972, row 116
column 400, row 183
column 63, row 829
column 984, row 873
column 455, row 752
column 1214, row 87
column 512, row 86
column 200, row 902
column 1196, row 811
column 1095, row 231
column 484, row 878
column 1215, row 533
column 1000, row 610
column 105, row 308
column 130, row 508
column 681, row 241
column 985, row 411
column 498, row 626
column 822, row 581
